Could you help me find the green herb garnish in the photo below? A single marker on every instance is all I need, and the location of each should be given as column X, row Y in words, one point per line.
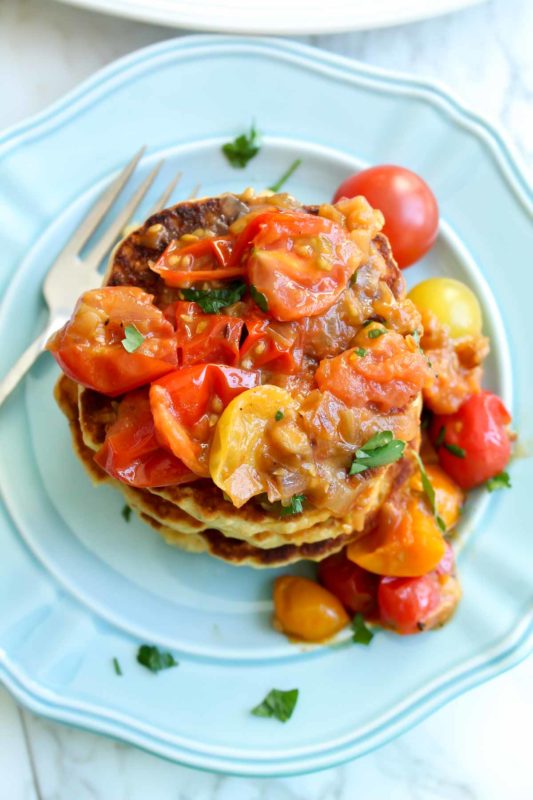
column 153, row 659
column 353, row 279
column 381, row 449
column 126, row 513
column 416, row 337
column 242, row 149
column 454, row 449
column 212, row 300
column 278, row 415
column 500, row 481
column 361, row 634
column 361, row 351
column 430, row 493
column 116, row 667
column 440, row 438
column 286, row 175
column 259, row 298
column 375, row 332
column 133, row 339
column 295, row 506
column 278, row 704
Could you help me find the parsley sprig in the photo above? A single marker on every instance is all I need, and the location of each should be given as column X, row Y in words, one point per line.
column 242, row 149
column 286, row 175
column 133, row 339
column 278, row 703
column 153, row 659
column 212, row 300
column 381, row 449
column 126, row 513
column 361, row 634
column 430, row 493
column 500, row 481
column 258, row 298
column 295, row 505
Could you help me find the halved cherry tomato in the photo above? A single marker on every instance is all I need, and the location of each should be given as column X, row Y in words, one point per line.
column 265, row 345
column 204, row 338
column 449, row 498
column 131, row 452
column 383, row 369
column 206, row 259
column 187, row 404
column 473, row 444
column 305, row 610
column 408, row 205
column 89, row 348
column 353, row 586
column 300, row 263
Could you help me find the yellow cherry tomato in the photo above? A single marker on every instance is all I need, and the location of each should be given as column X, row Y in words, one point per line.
column 305, row 610
column 449, row 497
column 452, row 302
column 239, row 441
column 406, row 542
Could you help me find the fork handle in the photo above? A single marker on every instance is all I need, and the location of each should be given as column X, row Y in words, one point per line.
column 18, row 370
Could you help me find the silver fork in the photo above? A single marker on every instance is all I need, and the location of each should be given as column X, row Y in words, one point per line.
column 71, row 275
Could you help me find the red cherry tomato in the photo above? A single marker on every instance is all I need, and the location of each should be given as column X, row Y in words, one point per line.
column 266, row 346
column 408, row 205
column 406, row 603
column 204, row 338
column 132, row 454
column 473, row 444
column 354, row 587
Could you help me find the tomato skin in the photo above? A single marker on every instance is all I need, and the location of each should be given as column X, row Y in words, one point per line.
column 479, row 427
column 185, row 400
column 305, row 610
column 131, row 452
column 354, row 587
column 408, row 205
column 89, row 347
column 406, row 603
column 263, row 349
column 207, row 259
column 206, row 338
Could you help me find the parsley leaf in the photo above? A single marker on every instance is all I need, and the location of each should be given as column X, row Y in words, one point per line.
column 278, row 415
column 455, row 450
column 286, row 175
column 295, row 506
column 361, row 634
column 416, row 337
column 278, row 704
column 361, row 351
column 381, row 449
column 242, row 149
column 133, row 339
column 212, row 300
column 259, row 298
column 126, row 513
column 153, row 659
column 430, row 493
column 375, row 332
column 116, row 667
column 500, row 481
column 440, row 437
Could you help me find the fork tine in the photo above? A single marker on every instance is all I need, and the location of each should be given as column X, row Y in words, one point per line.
column 101, row 207
column 107, row 240
column 161, row 203
column 195, row 191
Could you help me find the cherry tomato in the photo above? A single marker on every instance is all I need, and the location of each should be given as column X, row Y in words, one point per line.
column 305, row 610
column 406, row 604
column 207, row 259
column 131, row 452
column 383, row 369
column 454, row 304
column 265, row 346
column 355, row 587
column 473, row 444
column 300, row 263
column 449, row 498
column 89, row 348
column 408, row 205
column 204, row 338
column 187, row 404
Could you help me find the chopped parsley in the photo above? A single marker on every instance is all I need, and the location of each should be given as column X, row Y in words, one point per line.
column 126, row 513
column 286, row 175
column 361, row 351
column 295, row 506
column 375, row 332
column 133, row 339
column 212, row 300
column 500, row 481
column 153, row 659
column 353, row 279
column 416, row 337
column 278, row 415
column 454, row 449
column 278, row 704
column 361, row 634
column 430, row 493
column 242, row 149
column 440, row 438
column 116, row 667
column 259, row 298
column 381, row 449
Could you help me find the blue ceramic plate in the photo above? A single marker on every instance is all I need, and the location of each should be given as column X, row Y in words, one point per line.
column 79, row 585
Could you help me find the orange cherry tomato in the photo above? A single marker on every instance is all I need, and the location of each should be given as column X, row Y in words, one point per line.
column 89, row 348
column 204, row 338
column 449, row 498
column 131, row 452
column 407, row 203
column 305, row 610
column 187, row 404
column 406, row 542
column 300, row 263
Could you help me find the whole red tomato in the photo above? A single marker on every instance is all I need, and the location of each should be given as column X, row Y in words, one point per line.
column 408, row 205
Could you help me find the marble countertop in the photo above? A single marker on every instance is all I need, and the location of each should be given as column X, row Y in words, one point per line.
column 472, row 749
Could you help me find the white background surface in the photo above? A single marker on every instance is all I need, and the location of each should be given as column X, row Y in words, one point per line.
column 479, row 746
